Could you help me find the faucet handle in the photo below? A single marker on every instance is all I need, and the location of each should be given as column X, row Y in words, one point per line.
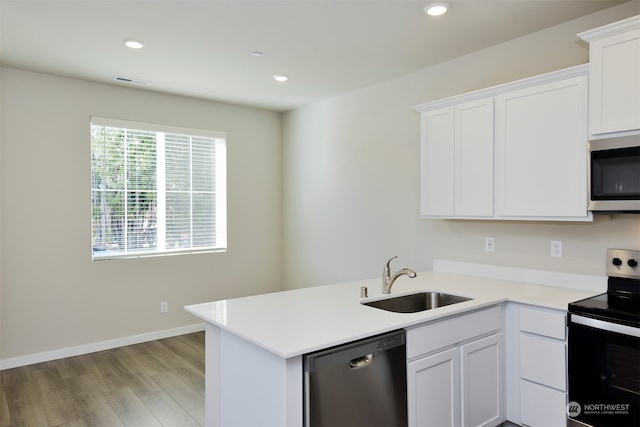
column 391, row 259
column 387, row 267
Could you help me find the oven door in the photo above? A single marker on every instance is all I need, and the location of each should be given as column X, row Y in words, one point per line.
column 604, row 372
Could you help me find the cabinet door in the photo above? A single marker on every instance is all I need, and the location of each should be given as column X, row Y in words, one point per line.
column 481, row 372
column 433, row 384
column 474, row 158
column 614, row 89
column 436, row 162
column 541, row 151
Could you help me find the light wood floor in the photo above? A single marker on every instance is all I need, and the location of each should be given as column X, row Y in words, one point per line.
column 158, row 383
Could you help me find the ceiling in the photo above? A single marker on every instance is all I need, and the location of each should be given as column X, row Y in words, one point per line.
column 203, row 49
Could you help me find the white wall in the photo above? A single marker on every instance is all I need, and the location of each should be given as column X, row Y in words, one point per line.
column 340, row 196
column 52, row 296
column 351, row 175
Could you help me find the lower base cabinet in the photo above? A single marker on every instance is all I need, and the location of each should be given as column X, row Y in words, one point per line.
column 461, row 384
column 481, row 377
column 536, row 365
column 542, row 406
column 434, row 390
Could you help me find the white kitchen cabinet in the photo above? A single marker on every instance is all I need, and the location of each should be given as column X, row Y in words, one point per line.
column 541, row 355
column 474, row 159
column 437, row 160
column 481, row 373
column 542, row 406
column 542, row 361
column 455, row 370
column 541, row 153
column 516, row 151
column 456, row 153
column 614, row 73
column 433, row 383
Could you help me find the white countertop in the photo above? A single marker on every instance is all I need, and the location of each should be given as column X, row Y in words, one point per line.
column 292, row 323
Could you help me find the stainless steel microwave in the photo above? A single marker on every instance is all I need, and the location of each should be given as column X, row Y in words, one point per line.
column 614, row 175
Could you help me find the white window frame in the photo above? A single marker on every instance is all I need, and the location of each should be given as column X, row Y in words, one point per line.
column 220, row 190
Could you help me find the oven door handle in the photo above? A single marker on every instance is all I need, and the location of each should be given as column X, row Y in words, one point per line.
column 606, row 326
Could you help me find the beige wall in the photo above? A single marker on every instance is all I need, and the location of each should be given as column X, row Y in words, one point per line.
column 52, row 296
column 351, row 175
column 340, row 195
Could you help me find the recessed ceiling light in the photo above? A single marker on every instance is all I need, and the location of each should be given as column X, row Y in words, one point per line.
column 280, row 78
column 436, row 9
column 257, row 54
column 133, row 44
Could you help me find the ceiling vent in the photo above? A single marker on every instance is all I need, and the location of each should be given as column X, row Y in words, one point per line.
column 130, row 81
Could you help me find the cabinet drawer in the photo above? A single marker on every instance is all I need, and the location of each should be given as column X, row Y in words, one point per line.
column 543, row 361
column 541, row 406
column 542, row 322
column 440, row 334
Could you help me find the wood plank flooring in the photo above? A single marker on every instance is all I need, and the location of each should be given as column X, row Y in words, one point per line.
column 157, row 383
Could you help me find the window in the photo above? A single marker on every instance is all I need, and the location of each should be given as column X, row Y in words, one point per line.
column 156, row 190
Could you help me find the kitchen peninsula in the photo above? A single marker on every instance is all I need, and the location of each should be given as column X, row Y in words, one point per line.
column 254, row 345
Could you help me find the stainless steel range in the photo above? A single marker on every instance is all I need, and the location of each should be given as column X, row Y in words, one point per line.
column 604, row 348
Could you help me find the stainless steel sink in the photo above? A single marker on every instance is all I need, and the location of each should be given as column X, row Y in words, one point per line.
column 414, row 303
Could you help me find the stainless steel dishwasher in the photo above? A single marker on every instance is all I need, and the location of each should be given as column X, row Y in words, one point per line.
column 363, row 383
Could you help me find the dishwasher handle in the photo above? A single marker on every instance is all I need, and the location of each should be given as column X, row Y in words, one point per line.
column 356, row 354
column 361, row 362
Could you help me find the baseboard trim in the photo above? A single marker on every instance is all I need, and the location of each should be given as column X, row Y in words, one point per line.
column 47, row 356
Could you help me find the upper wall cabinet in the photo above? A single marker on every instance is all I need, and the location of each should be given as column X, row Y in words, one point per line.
column 474, row 158
column 541, row 160
column 456, row 154
column 436, row 162
column 514, row 151
column 614, row 86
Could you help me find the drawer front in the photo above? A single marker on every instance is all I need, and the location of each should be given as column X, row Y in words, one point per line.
column 440, row 334
column 543, row 361
column 541, row 406
column 542, row 322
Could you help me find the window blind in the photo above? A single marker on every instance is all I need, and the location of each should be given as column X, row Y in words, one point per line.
column 156, row 190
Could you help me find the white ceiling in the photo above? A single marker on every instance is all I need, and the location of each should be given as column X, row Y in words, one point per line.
column 203, row 48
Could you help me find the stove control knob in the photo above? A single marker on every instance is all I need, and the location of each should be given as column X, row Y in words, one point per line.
column 617, row 261
column 632, row 263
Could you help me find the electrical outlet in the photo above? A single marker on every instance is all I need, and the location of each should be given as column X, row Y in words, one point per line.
column 489, row 244
column 556, row 248
column 164, row 307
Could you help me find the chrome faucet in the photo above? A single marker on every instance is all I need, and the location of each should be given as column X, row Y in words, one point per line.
column 388, row 279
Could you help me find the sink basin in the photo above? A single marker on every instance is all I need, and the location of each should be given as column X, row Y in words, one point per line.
column 414, row 303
